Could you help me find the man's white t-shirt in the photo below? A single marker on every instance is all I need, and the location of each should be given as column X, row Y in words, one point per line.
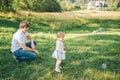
column 18, row 37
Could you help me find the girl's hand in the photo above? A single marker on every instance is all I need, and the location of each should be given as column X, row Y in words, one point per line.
column 63, row 52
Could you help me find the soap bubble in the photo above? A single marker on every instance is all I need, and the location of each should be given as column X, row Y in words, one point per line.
column 104, row 66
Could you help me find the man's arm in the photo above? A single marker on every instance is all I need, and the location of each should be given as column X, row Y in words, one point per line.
column 32, row 41
column 30, row 38
column 24, row 47
column 32, row 44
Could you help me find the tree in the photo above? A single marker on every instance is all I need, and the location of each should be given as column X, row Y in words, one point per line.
column 6, row 5
column 113, row 4
column 46, row 6
column 35, row 5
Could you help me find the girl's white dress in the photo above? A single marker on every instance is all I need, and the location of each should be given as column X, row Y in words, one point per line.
column 57, row 54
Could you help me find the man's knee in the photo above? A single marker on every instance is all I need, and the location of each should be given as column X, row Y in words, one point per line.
column 32, row 55
column 28, row 44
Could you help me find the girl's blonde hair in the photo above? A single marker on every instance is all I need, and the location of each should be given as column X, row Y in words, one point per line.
column 60, row 34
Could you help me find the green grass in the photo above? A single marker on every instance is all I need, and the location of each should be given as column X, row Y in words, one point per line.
column 86, row 51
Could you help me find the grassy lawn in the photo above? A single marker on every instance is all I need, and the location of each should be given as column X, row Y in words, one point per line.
column 87, row 52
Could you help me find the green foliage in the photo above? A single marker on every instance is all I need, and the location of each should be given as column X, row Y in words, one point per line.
column 46, row 6
column 35, row 5
column 67, row 5
column 50, row 5
column 6, row 5
column 20, row 5
column 113, row 4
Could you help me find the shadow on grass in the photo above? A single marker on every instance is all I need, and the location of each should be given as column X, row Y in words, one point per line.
column 112, row 64
column 76, row 62
column 94, row 55
column 106, row 23
column 11, row 69
column 7, row 23
column 104, row 37
column 47, row 25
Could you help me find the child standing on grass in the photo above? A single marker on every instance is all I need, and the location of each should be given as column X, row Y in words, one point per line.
column 59, row 53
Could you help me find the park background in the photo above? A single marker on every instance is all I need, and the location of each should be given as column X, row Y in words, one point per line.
column 92, row 39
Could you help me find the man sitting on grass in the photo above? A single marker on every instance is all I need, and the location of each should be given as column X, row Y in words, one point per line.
column 20, row 49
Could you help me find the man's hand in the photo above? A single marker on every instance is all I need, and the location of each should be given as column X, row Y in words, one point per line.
column 32, row 41
column 36, row 51
column 32, row 46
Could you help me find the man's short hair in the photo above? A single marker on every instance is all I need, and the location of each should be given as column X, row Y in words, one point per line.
column 23, row 24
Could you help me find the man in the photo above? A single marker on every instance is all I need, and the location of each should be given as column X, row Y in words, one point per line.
column 21, row 50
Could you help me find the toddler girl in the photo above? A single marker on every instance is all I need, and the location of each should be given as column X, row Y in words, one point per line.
column 59, row 53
